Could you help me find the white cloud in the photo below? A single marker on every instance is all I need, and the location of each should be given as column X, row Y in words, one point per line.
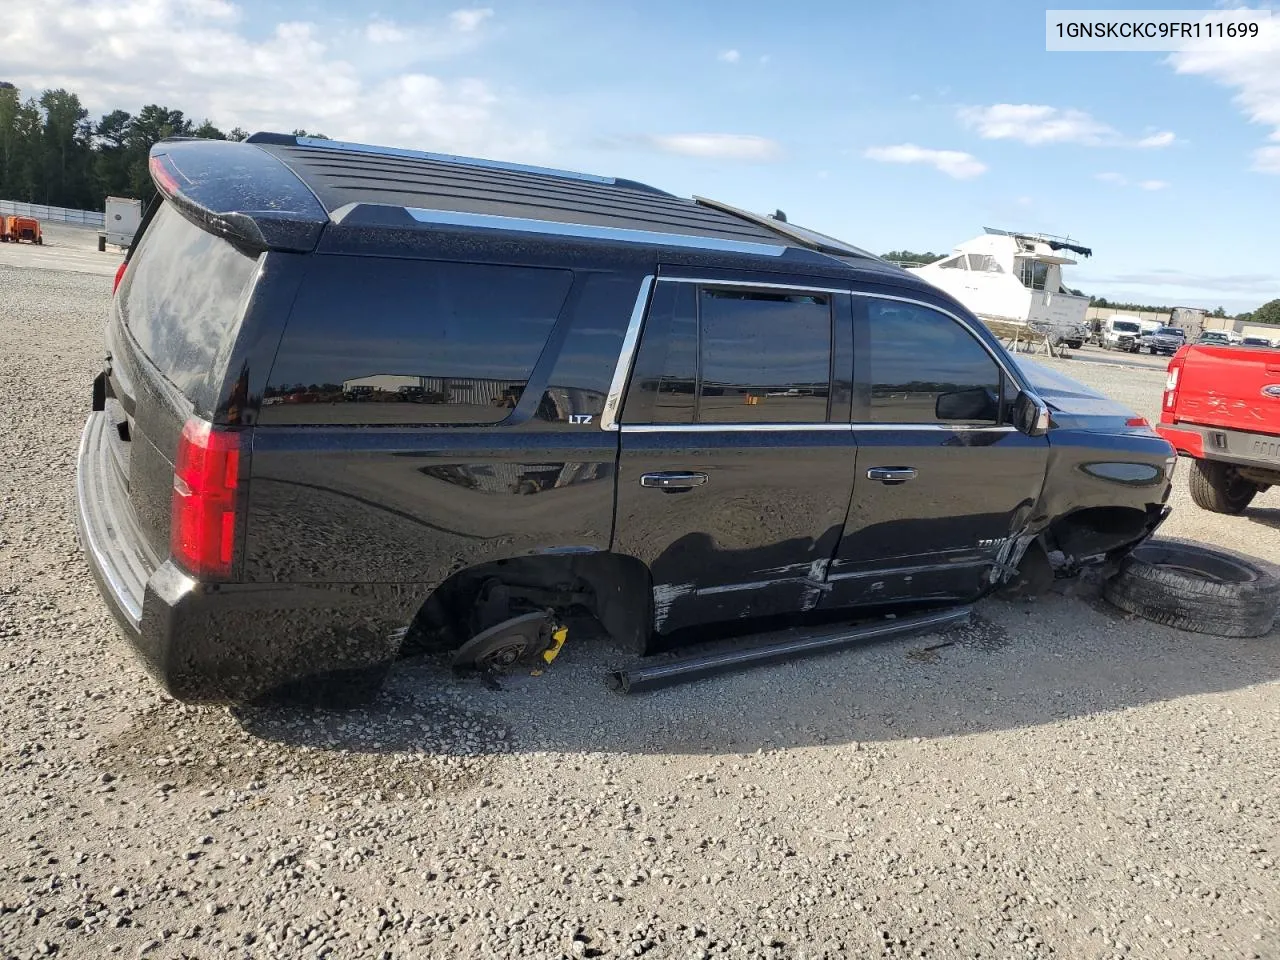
column 193, row 55
column 1267, row 159
column 719, row 146
column 384, row 31
column 728, row 56
column 1036, row 124
column 1120, row 180
column 468, row 21
column 954, row 163
column 1252, row 70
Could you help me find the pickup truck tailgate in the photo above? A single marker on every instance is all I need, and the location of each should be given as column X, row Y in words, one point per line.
column 1233, row 387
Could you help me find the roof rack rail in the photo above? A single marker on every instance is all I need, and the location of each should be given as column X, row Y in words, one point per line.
column 351, row 147
column 810, row 239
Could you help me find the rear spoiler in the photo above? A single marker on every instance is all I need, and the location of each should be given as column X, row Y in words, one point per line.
column 238, row 191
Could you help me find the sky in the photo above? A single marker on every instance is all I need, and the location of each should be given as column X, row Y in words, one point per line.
column 890, row 125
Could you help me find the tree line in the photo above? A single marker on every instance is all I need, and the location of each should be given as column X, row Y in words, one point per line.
column 53, row 152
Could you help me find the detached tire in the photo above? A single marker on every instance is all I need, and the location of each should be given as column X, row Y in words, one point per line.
column 1217, row 487
column 1196, row 589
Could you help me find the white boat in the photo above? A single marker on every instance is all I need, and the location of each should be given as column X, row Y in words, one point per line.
column 1015, row 279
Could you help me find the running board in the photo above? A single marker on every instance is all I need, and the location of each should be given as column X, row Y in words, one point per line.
column 666, row 674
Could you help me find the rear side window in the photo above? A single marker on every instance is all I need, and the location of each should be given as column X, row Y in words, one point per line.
column 411, row 341
column 926, row 368
column 732, row 356
column 766, row 357
column 182, row 299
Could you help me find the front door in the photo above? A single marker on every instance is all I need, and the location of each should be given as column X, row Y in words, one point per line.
column 735, row 472
column 943, row 483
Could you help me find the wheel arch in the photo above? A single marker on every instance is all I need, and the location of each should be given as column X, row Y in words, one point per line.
column 617, row 589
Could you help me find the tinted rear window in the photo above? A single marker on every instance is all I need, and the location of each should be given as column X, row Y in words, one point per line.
column 182, row 298
column 411, row 341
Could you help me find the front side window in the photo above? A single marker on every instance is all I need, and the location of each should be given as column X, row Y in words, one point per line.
column 720, row 356
column 926, row 368
column 952, row 263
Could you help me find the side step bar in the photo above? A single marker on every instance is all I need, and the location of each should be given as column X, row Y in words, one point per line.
column 671, row 672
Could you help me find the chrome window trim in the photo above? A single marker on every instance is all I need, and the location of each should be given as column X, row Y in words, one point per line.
column 798, row 288
column 967, row 427
column 626, row 357
column 622, row 371
column 801, row 427
column 352, row 147
column 825, row 427
column 652, row 238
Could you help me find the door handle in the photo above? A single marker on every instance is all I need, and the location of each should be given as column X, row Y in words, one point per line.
column 673, row 480
column 892, row 475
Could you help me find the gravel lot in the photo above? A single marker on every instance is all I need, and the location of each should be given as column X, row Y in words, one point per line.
column 1056, row 781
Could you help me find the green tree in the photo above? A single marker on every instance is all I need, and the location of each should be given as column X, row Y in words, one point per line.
column 9, row 106
column 238, row 134
column 25, row 179
column 907, row 256
column 111, row 155
column 152, row 124
column 207, row 131
column 1269, row 312
column 1218, row 312
column 67, row 150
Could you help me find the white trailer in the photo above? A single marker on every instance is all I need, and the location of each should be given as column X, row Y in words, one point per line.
column 123, row 217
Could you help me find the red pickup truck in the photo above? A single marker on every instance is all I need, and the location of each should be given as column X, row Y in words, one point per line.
column 1222, row 408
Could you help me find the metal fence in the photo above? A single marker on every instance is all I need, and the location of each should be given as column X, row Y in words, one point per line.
column 86, row 218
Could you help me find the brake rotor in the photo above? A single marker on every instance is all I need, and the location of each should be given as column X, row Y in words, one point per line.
column 505, row 644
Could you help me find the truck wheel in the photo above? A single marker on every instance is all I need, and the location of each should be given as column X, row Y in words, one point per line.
column 1218, row 487
column 1193, row 588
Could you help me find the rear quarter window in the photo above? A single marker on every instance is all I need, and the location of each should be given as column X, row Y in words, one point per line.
column 182, row 299
column 382, row 341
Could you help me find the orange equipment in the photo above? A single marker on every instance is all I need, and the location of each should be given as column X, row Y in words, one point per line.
column 22, row 228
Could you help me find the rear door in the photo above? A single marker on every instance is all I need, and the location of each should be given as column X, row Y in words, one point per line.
column 736, row 455
column 942, row 481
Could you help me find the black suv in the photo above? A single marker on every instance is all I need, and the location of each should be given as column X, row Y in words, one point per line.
column 350, row 389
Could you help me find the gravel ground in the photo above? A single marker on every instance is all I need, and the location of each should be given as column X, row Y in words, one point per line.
column 1057, row 780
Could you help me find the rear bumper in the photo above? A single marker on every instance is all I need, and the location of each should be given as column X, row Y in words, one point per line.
column 109, row 531
column 1244, row 449
column 224, row 643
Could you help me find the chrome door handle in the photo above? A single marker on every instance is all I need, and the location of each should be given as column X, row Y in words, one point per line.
column 673, row 480
column 892, row 475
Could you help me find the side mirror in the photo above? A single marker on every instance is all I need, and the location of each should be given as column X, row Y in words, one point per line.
column 977, row 403
column 1030, row 415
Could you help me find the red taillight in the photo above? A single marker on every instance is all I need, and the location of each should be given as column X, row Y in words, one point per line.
column 202, row 535
column 1171, row 386
column 162, row 172
column 1137, row 422
column 115, row 285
